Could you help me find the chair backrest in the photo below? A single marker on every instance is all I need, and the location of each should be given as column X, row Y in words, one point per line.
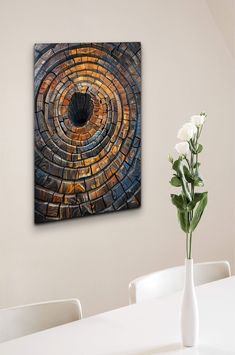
column 23, row 320
column 165, row 282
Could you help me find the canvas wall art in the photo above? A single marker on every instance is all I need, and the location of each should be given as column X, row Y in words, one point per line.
column 87, row 129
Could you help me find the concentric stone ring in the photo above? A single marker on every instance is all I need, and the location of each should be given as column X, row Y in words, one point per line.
column 87, row 129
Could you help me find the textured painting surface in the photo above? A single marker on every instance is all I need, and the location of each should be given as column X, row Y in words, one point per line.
column 87, row 129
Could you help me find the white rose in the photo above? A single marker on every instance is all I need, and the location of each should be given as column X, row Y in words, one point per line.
column 182, row 148
column 187, row 132
column 198, row 120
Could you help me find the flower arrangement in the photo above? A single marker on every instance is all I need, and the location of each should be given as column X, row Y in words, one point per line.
column 189, row 203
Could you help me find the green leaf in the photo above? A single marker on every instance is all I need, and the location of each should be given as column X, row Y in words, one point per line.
column 196, row 165
column 198, row 181
column 176, row 165
column 170, row 159
column 199, row 148
column 183, row 218
column 198, row 212
column 197, row 197
column 175, row 181
column 185, row 188
column 188, row 175
column 178, row 201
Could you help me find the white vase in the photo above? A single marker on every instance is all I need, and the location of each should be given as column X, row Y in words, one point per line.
column 189, row 311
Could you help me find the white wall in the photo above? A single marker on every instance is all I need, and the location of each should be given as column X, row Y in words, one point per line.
column 186, row 68
column 223, row 12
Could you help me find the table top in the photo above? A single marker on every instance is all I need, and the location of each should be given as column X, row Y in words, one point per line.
column 148, row 328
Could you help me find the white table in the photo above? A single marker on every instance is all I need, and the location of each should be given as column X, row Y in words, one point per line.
column 144, row 329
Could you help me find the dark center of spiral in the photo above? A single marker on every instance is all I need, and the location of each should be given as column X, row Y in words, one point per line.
column 80, row 109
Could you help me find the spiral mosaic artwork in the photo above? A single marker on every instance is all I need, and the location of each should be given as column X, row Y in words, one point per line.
column 87, row 129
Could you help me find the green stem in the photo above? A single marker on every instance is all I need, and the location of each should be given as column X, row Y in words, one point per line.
column 187, row 246
column 194, row 171
column 197, row 137
column 196, row 164
column 189, row 238
column 190, row 246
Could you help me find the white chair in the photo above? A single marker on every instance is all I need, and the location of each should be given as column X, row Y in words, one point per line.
column 23, row 320
column 164, row 282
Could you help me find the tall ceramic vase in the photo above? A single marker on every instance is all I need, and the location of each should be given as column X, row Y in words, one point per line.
column 189, row 311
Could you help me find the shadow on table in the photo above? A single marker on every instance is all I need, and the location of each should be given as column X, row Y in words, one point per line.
column 208, row 350
column 177, row 348
column 154, row 351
